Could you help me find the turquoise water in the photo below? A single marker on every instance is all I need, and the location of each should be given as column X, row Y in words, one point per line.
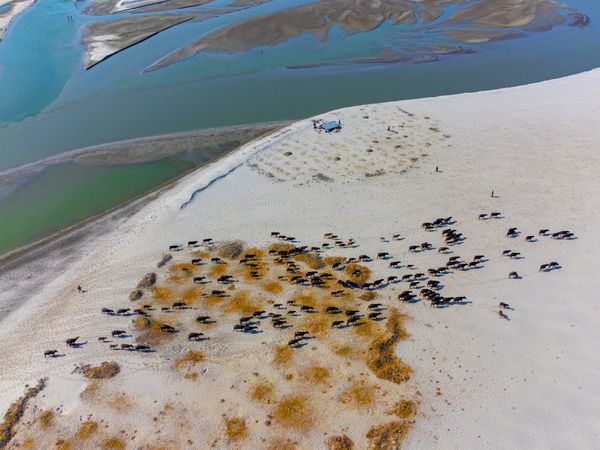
column 49, row 104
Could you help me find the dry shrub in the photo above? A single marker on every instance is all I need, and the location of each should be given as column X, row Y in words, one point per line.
column 331, row 260
column 61, row 444
column 90, row 391
column 86, row 430
column 282, row 444
column 357, row 273
column 217, row 270
column 305, row 297
column 262, row 392
column 311, row 259
column 46, row 418
column 381, row 357
column 113, row 443
column 241, row 303
column 149, row 280
column 368, row 296
column 164, row 260
column 231, row 249
column 191, row 357
column 27, row 444
column 343, row 350
column 272, row 287
column 202, row 254
column 15, row 412
column 141, row 323
column 340, row 443
column 136, row 295
column 235, row 429
column 153, row 334
column 191, row 376
column 387, row 436
column 120, row 402
column 282, row 355
column 164, row 295
column 316, row 374
column 281, row 247
column 106, row 369
column 317, row 324
column 293, row 412
column 359, row 394
column 404, row 409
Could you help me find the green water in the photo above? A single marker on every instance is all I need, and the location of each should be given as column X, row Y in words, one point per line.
column 43, row 205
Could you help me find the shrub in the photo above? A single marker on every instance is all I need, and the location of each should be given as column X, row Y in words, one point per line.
column 293, row 412
column 340, row 443
column 136, row 295
column 231, row 249
column 86, row 430
column 404, row 409
column 149, row 280
column 113, row 443
column 282, row 355
column 236, row 429
column 191, row 357
column 262, row 392
column 46, row 418
column 104, row 371
column 388, row 436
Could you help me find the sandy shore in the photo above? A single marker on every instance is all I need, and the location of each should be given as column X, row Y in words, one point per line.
column 15, row 7
column 477, row 380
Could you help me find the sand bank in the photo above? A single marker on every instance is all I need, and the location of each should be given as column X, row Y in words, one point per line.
column 15, row 7
column 528, row 381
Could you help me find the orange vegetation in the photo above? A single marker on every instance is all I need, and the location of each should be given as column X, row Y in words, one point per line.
column 165, row 296
column 272, row 287
column 191, row 357
column 235, row 429
column 316, row 374
column 240, row 303
column 46, row 418
column 190, row 295
column 404, row 409
column 86, row 430
column 388, row 436
column 262, row 392
column 311, row 259
column 113, row 443
column 293, row 412
column 282, row 355
column 357, row 272
column 340, row 443
column 381, row 357
column 359, row 394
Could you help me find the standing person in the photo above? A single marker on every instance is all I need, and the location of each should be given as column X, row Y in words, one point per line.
column 79, row 289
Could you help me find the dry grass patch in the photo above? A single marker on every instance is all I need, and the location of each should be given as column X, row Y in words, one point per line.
column 90, row 392
column 186, row 268
column 331, row 260
column 357, row 273
column 217, row 270
column 86, row 430
column 106, row 369
column 368, row 296
column 282, row 444
column 359, row 394
column 189, row 296
column 340, row 443
column 282, row 355
column 113, row 443
column 381, row 358
column 316, row 374
column 45, row 419
column 404, row 409
column 190, row 358
column 272, row 287
column 317, row 324
column 27, row 444
column 292, row 412
column 311, row 259
column 281, row 247
column 61, row 444
column 388, row 436
column 241, row 303
column 120, row 402
column 262, row 392
column 163, row 295
column 235, row 429
column 305, row 297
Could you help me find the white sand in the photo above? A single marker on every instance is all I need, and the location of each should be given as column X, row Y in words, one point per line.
column 530, row 382
column 16, row 7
